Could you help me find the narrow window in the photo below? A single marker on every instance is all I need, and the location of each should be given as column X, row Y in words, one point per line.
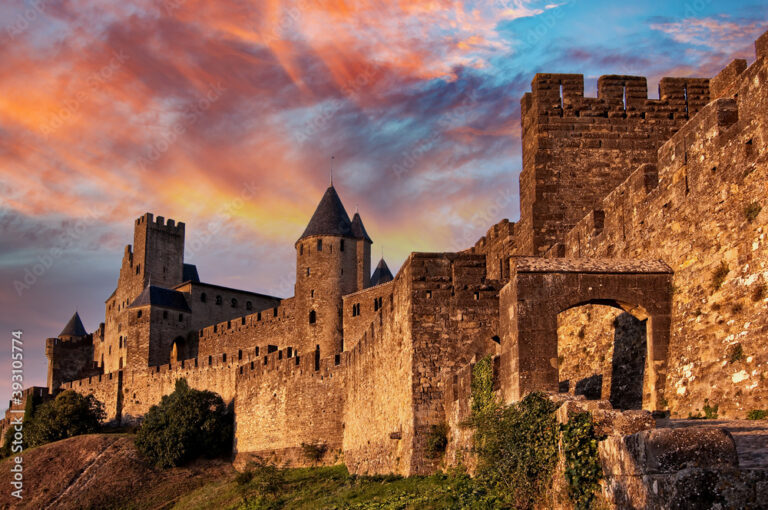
column 258, row 316
column 218, row 300
column 165, row 314
column 561, row 96
column 624, row 97
column 181, row 317
column 301, row 249
column 274, row 312
column 240, row 354
column 210, row 360
column 248, row 305
column 121, row 362
column 307, row 271
column 242, row 320
column 429, row 294
column 312, row 317
column 138, row 268
column 224, row 357
column 317, row 357
column 341, row 245
column 138, row 315
column 375, row 304
column 110, row 349
column 312, row 293
column 319, row 245
column 256, row 350
column 203, row 297
column 477, row 296
column 234, row 303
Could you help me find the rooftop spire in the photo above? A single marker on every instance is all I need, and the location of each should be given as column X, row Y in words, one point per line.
column 74, row 327
column 382, row 274
column 332, row 171
column 330, row 217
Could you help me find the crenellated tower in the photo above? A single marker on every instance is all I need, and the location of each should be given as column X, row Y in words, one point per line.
column 577, row 149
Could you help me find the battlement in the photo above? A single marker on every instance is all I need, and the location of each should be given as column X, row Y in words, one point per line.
column 562, row 95
column 148, row 220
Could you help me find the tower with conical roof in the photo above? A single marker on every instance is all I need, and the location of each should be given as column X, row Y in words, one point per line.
column 329, row 257
column 363, row 250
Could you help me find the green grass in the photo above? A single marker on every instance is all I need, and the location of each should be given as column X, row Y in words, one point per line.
column 334, row 488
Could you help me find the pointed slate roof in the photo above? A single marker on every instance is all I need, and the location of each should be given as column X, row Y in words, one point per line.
column 189, row 273
column 159, row 296
column 358, row 230
column 74, row 327
column 330, row 217
column 382, row 274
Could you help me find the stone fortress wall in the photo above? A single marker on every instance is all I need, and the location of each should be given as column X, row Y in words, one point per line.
column 619, row 177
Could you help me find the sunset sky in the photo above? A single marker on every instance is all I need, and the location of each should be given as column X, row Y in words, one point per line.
column 225, row 114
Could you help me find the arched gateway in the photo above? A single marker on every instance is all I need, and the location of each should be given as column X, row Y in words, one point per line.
column 539, row 289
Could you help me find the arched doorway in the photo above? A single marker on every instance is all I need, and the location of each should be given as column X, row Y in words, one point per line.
column 540, row 289
column 601, row 353
column 178, row 349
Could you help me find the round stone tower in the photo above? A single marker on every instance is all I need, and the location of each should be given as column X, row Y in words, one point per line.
column 327, row 267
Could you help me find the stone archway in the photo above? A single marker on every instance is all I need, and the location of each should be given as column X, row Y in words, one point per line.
column 539, row 289
column 178, row 349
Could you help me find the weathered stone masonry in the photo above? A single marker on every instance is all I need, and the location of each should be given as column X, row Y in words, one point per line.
column 653, row 207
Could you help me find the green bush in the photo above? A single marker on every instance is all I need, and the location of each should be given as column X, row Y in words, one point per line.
column 185, row 425
column 758, row 414
column 437, row 440
column 69, row 414
column 516, row 445
column 314, row 451
column 582, row 465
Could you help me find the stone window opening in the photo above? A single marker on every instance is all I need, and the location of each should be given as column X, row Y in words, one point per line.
column 224, row 357
column 748, row 147
column 312, row 293
column 210, row 360
column 375, row 304
column 120, row 343
column 341, row 245
column 317, row 358
column 138, row 314
column 120, row 366
column 301, row 249
column 203, row 297
column 219, row 300
column 239, row 354
column 342, row 270
column 331, row 247
column 256, row 351
column 279, row 354
column 234, row 303
column 495, row 338
column 319, row 245
column 429, row 294
column 312, row 317
column 165, row 314
column 258, row 316
column 274, row 312
column 242, row 320
column 307, row 271
column 109, row 351
column 248, row 305
column 181, row 317
column 138, row 268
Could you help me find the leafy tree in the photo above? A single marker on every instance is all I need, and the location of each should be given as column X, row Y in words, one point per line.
column 186, row 424
column 69, row 414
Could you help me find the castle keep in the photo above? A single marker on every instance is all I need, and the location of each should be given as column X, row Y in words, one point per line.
column 637, row 269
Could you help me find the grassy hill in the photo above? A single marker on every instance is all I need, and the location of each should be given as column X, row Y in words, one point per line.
column 104, row 471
